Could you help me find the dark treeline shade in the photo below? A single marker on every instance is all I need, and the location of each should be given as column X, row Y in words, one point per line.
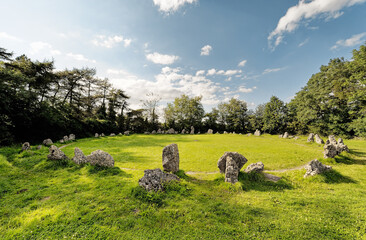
column 37, row 102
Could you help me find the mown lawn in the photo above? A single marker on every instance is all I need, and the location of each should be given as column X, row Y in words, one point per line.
column 40, row 199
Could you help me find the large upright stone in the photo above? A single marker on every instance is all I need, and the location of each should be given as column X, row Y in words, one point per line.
column 79, row 157
column 330, row 150
column 100, row 158
column 153, row 180
column 171, row 158
column 72, row 137
column 311, row 137
column 96, row 135
column 318, row 140
column 285, row 135
column 192, row 130
column 315, row 167
column 237, row 157
column 257, row 133
column 47, row 142
column 231, row 170
column 209, row 131
column 255, row 167
column 341, row 147
column 56, row 154
column 332, row 140
column 26, row 146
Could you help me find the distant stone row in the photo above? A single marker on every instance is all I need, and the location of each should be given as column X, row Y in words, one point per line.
column 126, row 133
column 48, row 142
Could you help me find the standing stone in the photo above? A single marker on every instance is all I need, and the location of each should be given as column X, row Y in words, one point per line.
column 26, row 146
column 285, row 135
column 210, row 131
column 126, row 133
column 341, row 147
column 318, row 140
column 153, row 180
column 332, row 140
column 61, row 141
column 66, row 139
column 225, row 132
column 79, row 157
column 153, row 132
column 171, row 131
column 255, row 167
column 100, row 158
column 146, row 133
column 96, row 135
column 56, row 154
column 72, row 137
column 183, row 131
column 192, row 130
column 311, row 137
column 237, row 157
column 315, row 167
column 171, row 158
column 47, row 142
column 257, row 133
column 330, row 150
column 159, row 131
column 102, row 135
column 112, row 135
column 231, row 170
column 119, row 134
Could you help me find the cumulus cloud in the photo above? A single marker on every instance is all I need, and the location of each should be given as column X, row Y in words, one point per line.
column 111, row 41
column 200, row 72
column 242, row 63
column 161, row 58
column 205, row 50
column 243, row 89
column 307, row 10
column 80, row 57
column 271, row 70
column 213, row 71
column 350, row 42
column 170, row 6
column 43, row 48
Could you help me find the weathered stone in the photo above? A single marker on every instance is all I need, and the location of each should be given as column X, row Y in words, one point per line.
column 72, row 137
column 153, row 180
column 39, row 147
column 311, row 137
column 199, row 132
column 153, row 132
column 96, row 135
column 255, row 167
column 61, row 141
column 112, row 135
column 315, row 167
column 159, row 131
column 146, row 133
column 209, row 131
column 285, row 135
column 280, row 136
column 318, row 140
column 237, row 157
column 257, row 133
column 225, row 132
column 171, row 131
column 66, row 138
column 47, row 142
column 332, row 140
column 56, row 154
column 183, row 131
column 100, row 158
column 231, row 170
column 79, row 157
column 192, row 130
column 102, row 135
column 119, row 134
column 171, row 158
column 126, row 133
column 330, row 150
column 26, row 146
column 341, row 147
column 270, row 177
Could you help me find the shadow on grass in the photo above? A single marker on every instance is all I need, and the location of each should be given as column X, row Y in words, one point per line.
column 258, row 182
column 107, row 171
column 334, row 177
column 346, row 159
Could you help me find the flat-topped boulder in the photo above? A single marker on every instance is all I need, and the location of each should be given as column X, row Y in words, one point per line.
column 170, row 158
column 255, row 167
column 47, row 142
column 79, row 157
column 171, row 131
column 66, row 139
column 26, row 146
column 56, row 154
column 154, row 179
column 315, row 167
column 100, row 158
column 112, row 135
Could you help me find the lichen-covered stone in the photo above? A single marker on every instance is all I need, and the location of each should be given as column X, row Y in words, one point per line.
column 26, row 146
column 311, row 137
column 153, row 132
column 332, row 140
column 47, row 142
column 154, row 179
column 171, row 131
column 255, row 167
column 100, row 158
column 39, row 147
column 112, row 135
column 79, row 157
column 66, row 139
column 330, row 150
column 315, row 167
column 231, row 171
column 171, row 158
column 341, row 147
column 318, row 139
column 237, row 157
column 72, row 137
column 102, row 135
column 56, row 154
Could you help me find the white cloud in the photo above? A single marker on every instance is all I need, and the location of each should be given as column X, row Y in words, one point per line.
column 350, row 42
column 80, row 57
column 43, row 48
column 303, row 42
column 211, row 72
column 308, row 10
column 161, row 58
column 200, row 72
column 271, row 70
column 205, row 50
column 232, row 72
column 170, row 6
column 6, row 36
column 243, row 89
column 242, row 63
column 111, row 41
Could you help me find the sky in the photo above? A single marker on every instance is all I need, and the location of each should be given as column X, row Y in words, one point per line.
column 217, row 49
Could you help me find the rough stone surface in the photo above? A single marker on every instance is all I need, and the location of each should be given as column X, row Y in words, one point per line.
column 72, row 137
column 332, row 140
column 146, row 133
column 318, row 140
column 112, row 135
column 315, row 167
column 171, row 158
column 225, row 132
column 231, row 171
column 311, row 137
column 154, row 179
column 61, row 141
column 100, row 158
column 330, row 150
column 257, row 133
column 79, row 157
column 153, row 132
column 341, row 147
column 255, row 167
column 126, row 133
column 192, row 130
column 159, row 131
column 66, row 138
column 209, row 131
column 171, row 131
column 270, row 177
column 56, row 154
column 237, row 157
column 102, row 135
column 96, row 135
column 183, row 131
column 120, row 134
column 47, row 142
column 26, row 146
column 285, row 135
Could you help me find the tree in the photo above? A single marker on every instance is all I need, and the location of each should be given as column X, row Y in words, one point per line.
column 150, row 105
column 256, row 118
column 233, row 115
column 275, row 116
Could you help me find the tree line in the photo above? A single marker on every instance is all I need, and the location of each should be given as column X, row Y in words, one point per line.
column 38, row 102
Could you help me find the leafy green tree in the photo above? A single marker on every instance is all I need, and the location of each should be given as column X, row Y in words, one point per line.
column 233, row 115
column 275, row 116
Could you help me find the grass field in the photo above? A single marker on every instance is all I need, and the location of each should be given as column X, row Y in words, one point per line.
column 40, row 199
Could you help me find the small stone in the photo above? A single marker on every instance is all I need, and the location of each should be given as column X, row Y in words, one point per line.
column 26, row 146
column 153, row 180
column 296, row 137
column 255, row 167
column 171, row 158
column 72, row 137
column 311, row 137
column 47, row 142
column 285, row 135
column 102, row 135
column 146, row 133
column 96, row 135
column 171, row 131
column 257, row 133
column 126, row 133
column 318, row 140
column 225, row 132
column 315, row 167
column 61, row 141
column 210, row 131
column 56, row 154
column 119, row 134
column 249, row 134
column 112, row 135
column 100, row 158
column 159, row 131
column 153, row 132
column 341, row 147
column 237, row 157
column 79, row 157
column 280, row 136
column 183, row 131
column 66, row 138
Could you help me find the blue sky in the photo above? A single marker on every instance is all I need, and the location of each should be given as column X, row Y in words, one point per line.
column 250, row 50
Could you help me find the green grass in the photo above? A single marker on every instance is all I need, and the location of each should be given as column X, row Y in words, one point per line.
column 40, row 199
